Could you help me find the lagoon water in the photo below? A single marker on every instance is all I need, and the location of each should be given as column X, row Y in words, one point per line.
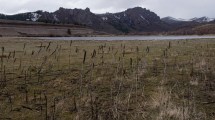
column 130, row 38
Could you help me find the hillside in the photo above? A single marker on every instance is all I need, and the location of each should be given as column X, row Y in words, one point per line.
column 135, row 19
column 200, row 26
column 37, row 29
column 131, row 21
column 195, row 30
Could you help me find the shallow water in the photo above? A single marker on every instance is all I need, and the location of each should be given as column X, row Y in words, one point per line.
column 130, row 38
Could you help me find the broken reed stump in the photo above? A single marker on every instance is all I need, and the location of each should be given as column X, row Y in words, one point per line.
column 2, row 67
column 85, row 54
column 147, row 49
column 169, row 45
column 94, row 53
column 49, row 44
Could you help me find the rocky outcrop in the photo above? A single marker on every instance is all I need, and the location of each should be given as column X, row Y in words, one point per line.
column 135, row 19
column 131, row 21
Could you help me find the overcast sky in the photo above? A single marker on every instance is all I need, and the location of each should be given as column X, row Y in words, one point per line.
column 176, row 8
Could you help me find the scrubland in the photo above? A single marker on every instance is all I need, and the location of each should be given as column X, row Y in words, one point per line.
column 107, row 80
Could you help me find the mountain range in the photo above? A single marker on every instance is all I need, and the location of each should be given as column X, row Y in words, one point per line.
column 172, row 20
column 131, row 21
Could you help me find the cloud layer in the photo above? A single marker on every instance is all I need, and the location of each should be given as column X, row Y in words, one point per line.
column 175, row 8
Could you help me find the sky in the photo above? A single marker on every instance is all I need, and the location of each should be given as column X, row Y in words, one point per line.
column 185, row 9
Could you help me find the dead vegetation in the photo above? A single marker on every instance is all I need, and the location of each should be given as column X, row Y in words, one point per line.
column 106, row 80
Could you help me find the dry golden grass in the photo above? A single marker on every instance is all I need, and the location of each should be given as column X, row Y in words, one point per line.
column 106, row 80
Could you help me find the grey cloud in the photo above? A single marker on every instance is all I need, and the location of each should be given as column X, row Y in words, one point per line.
column 98, row 6
column 182, row 8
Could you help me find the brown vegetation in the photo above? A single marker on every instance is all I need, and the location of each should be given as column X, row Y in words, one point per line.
column 110, row 80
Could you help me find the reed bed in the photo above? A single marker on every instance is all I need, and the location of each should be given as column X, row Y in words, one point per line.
column 107, row 80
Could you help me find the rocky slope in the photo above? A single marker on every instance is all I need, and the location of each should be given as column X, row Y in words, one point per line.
column 65, row 16
column 202, row 25
column 131, row 21
column 135, row 19
column 16, row 28
column 171, row 20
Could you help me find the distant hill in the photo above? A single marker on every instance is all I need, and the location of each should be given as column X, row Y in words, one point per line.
column 65, row 16
column 195, row 30
column 135, row 19
column 202, row 19
column 131, row 21
column 171, row 20
column 38, row 29
column 200, row 26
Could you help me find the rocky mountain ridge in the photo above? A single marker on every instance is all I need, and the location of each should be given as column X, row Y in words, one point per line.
column 203, row 19
column 133, row 20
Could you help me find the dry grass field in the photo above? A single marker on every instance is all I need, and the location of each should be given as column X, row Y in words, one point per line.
column 14, row 28
column 107, row 80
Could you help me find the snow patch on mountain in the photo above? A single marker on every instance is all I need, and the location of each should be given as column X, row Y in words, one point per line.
column 181, row 19
column 35, row 16
column 55, row 17
column 104, row 18
column 125, row 14
column 202, row 19
column 144, row 19
column 117, row 17
column 176, row 19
